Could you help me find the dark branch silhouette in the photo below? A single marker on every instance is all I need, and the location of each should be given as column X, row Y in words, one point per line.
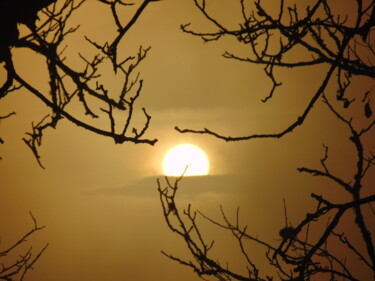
column 322, row 36
column 317, row 246
column 15, row 263
column 48, row 21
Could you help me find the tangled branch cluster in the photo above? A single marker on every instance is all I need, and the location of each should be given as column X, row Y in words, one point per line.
column 67, row 84
column 344, row 46
column 13, row 267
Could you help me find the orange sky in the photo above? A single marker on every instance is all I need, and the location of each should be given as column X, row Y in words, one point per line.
column 99, row 200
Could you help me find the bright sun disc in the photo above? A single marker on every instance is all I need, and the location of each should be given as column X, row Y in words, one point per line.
column 180, row 156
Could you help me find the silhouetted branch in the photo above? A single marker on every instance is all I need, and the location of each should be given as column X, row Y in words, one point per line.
column 312, row 30
column 110, row 49
column 190, row 232
column 7, row 115
column 17, row 270
column 326, row 173
column 69, row 85
column 4, row 117
column 305, row 257
column 326, row 37
column 345, row 241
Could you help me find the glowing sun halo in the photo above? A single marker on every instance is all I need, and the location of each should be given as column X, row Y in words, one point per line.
column 180, row 156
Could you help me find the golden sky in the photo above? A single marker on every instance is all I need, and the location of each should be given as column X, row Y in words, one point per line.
column 99, row 200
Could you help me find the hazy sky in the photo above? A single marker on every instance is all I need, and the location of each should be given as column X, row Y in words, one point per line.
column 99, row 200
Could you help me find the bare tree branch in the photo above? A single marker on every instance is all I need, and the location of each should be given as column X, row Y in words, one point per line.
column 16, row 270
column 307, row 250
column 69, row 85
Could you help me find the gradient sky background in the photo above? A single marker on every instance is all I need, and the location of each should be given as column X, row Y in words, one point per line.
column 99, row 200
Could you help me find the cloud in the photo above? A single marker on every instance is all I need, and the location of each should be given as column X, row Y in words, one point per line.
column 189, row 187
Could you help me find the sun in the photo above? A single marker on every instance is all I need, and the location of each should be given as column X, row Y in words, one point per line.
column 185, row 155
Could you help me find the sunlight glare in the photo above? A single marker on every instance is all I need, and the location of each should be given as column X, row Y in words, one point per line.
column 180, row 156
